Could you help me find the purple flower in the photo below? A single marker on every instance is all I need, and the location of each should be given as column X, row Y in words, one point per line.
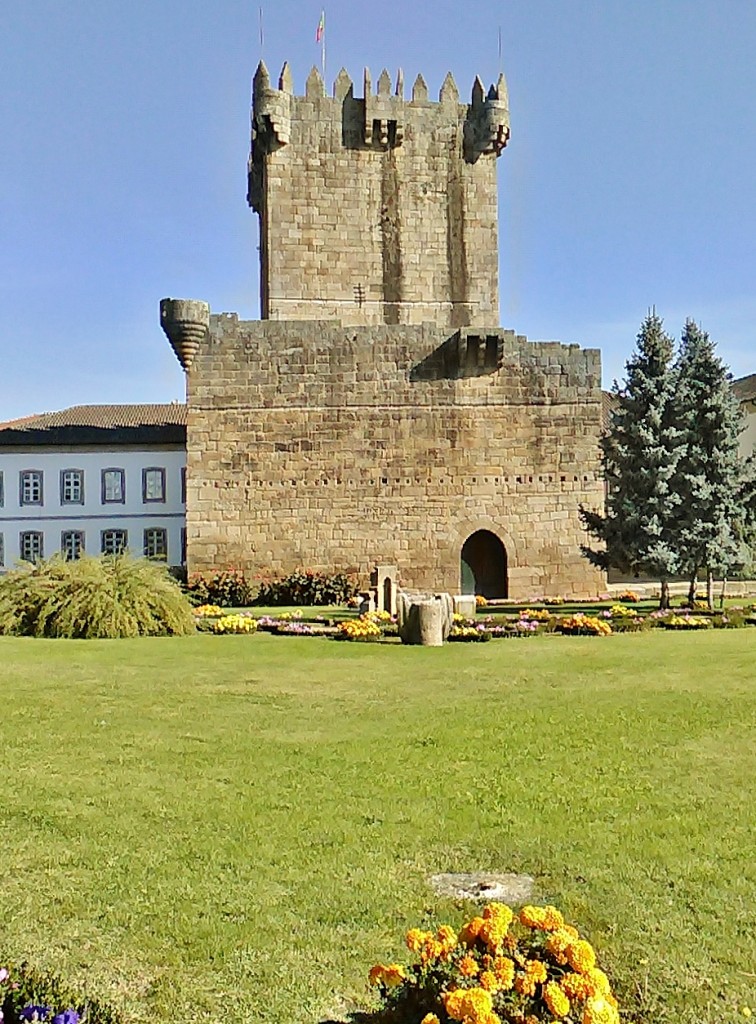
column 66, row 1017
column 34, row 1012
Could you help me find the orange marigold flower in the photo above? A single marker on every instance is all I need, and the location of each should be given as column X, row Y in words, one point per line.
column 499, row 912
column 447, row 937
column 431, row 950
column 375, row 974
column 531, row 916
column 600, row 1011
column 430, row 1018
column 510, row 942
column 556, row 1000
column 415, row 939
column 571, row 931
column 504, row 969
column 576, row 986
column 468, row 966
column 470, row 931
column 525, row 984
column 489, row 981
column 581, row 956
column 597, row 982
column 475, row 1003
column 393, row 975
column 537, row 970
column 547, row 919
column 493, row 933
column 557, row 944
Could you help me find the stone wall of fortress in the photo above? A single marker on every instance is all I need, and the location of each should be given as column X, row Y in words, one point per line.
column 317, row 445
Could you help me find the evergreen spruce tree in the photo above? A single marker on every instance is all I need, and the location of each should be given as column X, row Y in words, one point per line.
column 639, row 456
column 711, row 476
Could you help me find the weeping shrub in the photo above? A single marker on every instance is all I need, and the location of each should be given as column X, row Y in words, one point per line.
column 93, row 598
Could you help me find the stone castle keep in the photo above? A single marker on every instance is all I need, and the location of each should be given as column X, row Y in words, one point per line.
column 377, row 413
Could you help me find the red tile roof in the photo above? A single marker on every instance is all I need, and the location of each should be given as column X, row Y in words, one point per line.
column 103, row 417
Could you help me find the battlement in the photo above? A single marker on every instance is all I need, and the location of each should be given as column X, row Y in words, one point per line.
column 379, row 208
column 379, row 119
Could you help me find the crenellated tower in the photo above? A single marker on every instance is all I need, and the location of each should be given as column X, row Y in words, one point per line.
column 380, row 209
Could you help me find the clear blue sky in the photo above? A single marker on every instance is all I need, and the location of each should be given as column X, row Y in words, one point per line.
column 628, row 181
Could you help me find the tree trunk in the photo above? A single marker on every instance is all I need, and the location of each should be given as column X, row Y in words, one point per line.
column 664, row 596
column 693, row 587
column 723, row 593
column 710, row 589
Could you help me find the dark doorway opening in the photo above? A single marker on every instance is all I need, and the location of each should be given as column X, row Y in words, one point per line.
column 484, row 565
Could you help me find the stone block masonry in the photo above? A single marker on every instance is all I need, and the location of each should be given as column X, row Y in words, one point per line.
column 329, row 447
column 377, row 210
column 375, row 415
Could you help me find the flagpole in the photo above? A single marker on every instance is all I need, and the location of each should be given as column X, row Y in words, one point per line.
column 262, row 37
column 322, row 42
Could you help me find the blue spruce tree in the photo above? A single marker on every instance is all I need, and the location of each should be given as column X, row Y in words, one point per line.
column 639, row 456
column 711, row 477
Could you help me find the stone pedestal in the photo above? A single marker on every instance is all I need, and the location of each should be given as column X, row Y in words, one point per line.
column 383, row 581
column 464, row 604
column 424, row 619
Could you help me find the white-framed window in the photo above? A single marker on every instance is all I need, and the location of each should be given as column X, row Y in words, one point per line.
column 113, row 486
column 72, row 544
column 72, row 486
column 30, row 487
column 183, row 485
column 113, row 542
column 31, row 545
column 153, row 484
column 156, row 543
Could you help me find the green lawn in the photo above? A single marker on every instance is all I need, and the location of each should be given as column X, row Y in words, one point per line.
column 235, row 828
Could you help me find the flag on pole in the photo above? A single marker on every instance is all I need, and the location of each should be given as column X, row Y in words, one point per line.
column 321, row 27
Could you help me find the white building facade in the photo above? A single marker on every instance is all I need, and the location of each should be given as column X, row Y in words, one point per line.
column 94, row 479
column 745, row 389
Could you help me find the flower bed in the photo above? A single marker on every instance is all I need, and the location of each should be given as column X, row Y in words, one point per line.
column 30, row 995
column 500, row 967
column 583, row 625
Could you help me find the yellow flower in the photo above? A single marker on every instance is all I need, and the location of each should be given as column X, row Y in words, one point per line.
column 431, row 950
column 537, row 970
column 547, row 919
column 470, row 931
column 504, row 970
column 393, row 975
column 525, row 985
column 475, row 1003
column 581, row 956
column 468, row 966
column 430, row 1018
column 746, row 1011
column 576, row 986
column 415, row 939
column 389, row 975
column 556, row 1000
column 499, row 912
column 489, row 981
column 597, row 982
column 557, row 944
column 375, row 974
column 447, row 937
column 600, row 1011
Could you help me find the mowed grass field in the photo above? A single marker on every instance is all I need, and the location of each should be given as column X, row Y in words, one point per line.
column 236, row 828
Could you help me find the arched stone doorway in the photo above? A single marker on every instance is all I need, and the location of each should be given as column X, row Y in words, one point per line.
column 484, row 565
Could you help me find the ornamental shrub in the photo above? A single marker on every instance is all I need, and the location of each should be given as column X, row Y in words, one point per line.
column 228, row 588
column 499, row 967
column 306, row 587
column 93, row 598
column 25, row 991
